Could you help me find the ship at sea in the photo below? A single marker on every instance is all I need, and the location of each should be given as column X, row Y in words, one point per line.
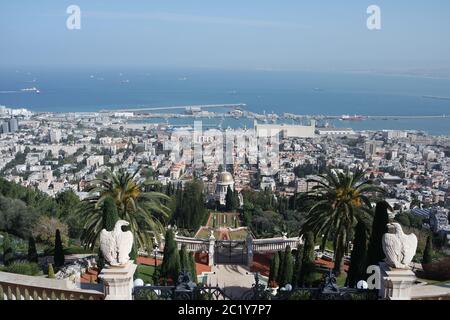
column 355, row 117
column 33, row 89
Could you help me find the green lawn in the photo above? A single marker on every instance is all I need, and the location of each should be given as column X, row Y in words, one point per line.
column 340, row 281
column 145, row 272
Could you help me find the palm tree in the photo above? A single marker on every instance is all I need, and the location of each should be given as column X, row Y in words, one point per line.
column 335, row 204
column 146, row 211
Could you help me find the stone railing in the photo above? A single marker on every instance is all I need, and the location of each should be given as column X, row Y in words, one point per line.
column 275, row 244
column 21, row 287
column 192, row 244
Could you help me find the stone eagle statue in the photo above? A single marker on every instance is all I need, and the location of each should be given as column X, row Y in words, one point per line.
column 398, row 247
column 116, row 244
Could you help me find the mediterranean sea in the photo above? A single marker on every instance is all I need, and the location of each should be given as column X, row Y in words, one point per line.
column 306, row 93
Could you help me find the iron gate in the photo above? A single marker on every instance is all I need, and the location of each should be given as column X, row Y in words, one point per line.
column 230, row 252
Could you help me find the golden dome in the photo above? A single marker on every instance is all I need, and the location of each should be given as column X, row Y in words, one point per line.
column 225, row 178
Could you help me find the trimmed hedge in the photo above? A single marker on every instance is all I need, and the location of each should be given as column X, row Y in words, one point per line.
column 23, row 267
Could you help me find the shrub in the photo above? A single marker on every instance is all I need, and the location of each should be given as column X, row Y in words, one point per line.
column 45, row 230
column 300, row 295
column 8, row 253
column 23, row 267
column 51, row 272
column 16, row 218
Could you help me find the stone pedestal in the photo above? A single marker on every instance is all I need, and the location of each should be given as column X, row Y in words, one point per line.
column 212, row 243
column 249, row 244
column 396, row 284
column 118, row 281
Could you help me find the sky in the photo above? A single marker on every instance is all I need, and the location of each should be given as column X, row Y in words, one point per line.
column 227, row 34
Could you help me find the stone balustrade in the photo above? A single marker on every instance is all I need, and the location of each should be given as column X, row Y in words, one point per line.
column 21, row 287
column 275, row 244
column 192, row 244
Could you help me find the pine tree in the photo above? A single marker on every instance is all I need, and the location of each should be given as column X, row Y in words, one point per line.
column 428, row 252
column 59, row 251
column 8, row 253
column 375, row 252
column 274, row 267
column 184, row 258
column 51, row 272
column 358, row 256
column 297, row 266
column 32, row 252
column 170, row 267
column 193, row 268
column 308, row 266
column 288, row 266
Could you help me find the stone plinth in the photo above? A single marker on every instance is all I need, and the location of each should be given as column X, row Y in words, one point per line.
column 396, row 284
column 212, row 243
column 249, row 244
column 118, row 281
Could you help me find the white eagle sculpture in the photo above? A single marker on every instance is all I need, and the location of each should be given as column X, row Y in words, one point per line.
column 398, row 247
column 116, row 244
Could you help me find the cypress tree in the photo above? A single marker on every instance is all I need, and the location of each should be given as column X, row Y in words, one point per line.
column 235, row 200
column 297, row 266
column 308, row 266
column 281, row 267
column 32, row 252
column 288, row 266
column 133, row 254
column 193, row 268
column 59, row 251
column 109, row 214
column 109, row 219
column 428, row 252
column 170, row 267
column 184, row 259
column 375, row 252
column 358, row 256
column 274, row 267
column 229, row 200
column 8, row 253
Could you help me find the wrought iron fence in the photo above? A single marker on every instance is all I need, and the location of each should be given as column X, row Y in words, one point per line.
column 184, row 290
column 187, row 290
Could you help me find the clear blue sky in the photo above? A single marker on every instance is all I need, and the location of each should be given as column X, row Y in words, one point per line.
column 238, row 34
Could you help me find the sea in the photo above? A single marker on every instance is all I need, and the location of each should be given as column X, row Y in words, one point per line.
column 263, row 91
